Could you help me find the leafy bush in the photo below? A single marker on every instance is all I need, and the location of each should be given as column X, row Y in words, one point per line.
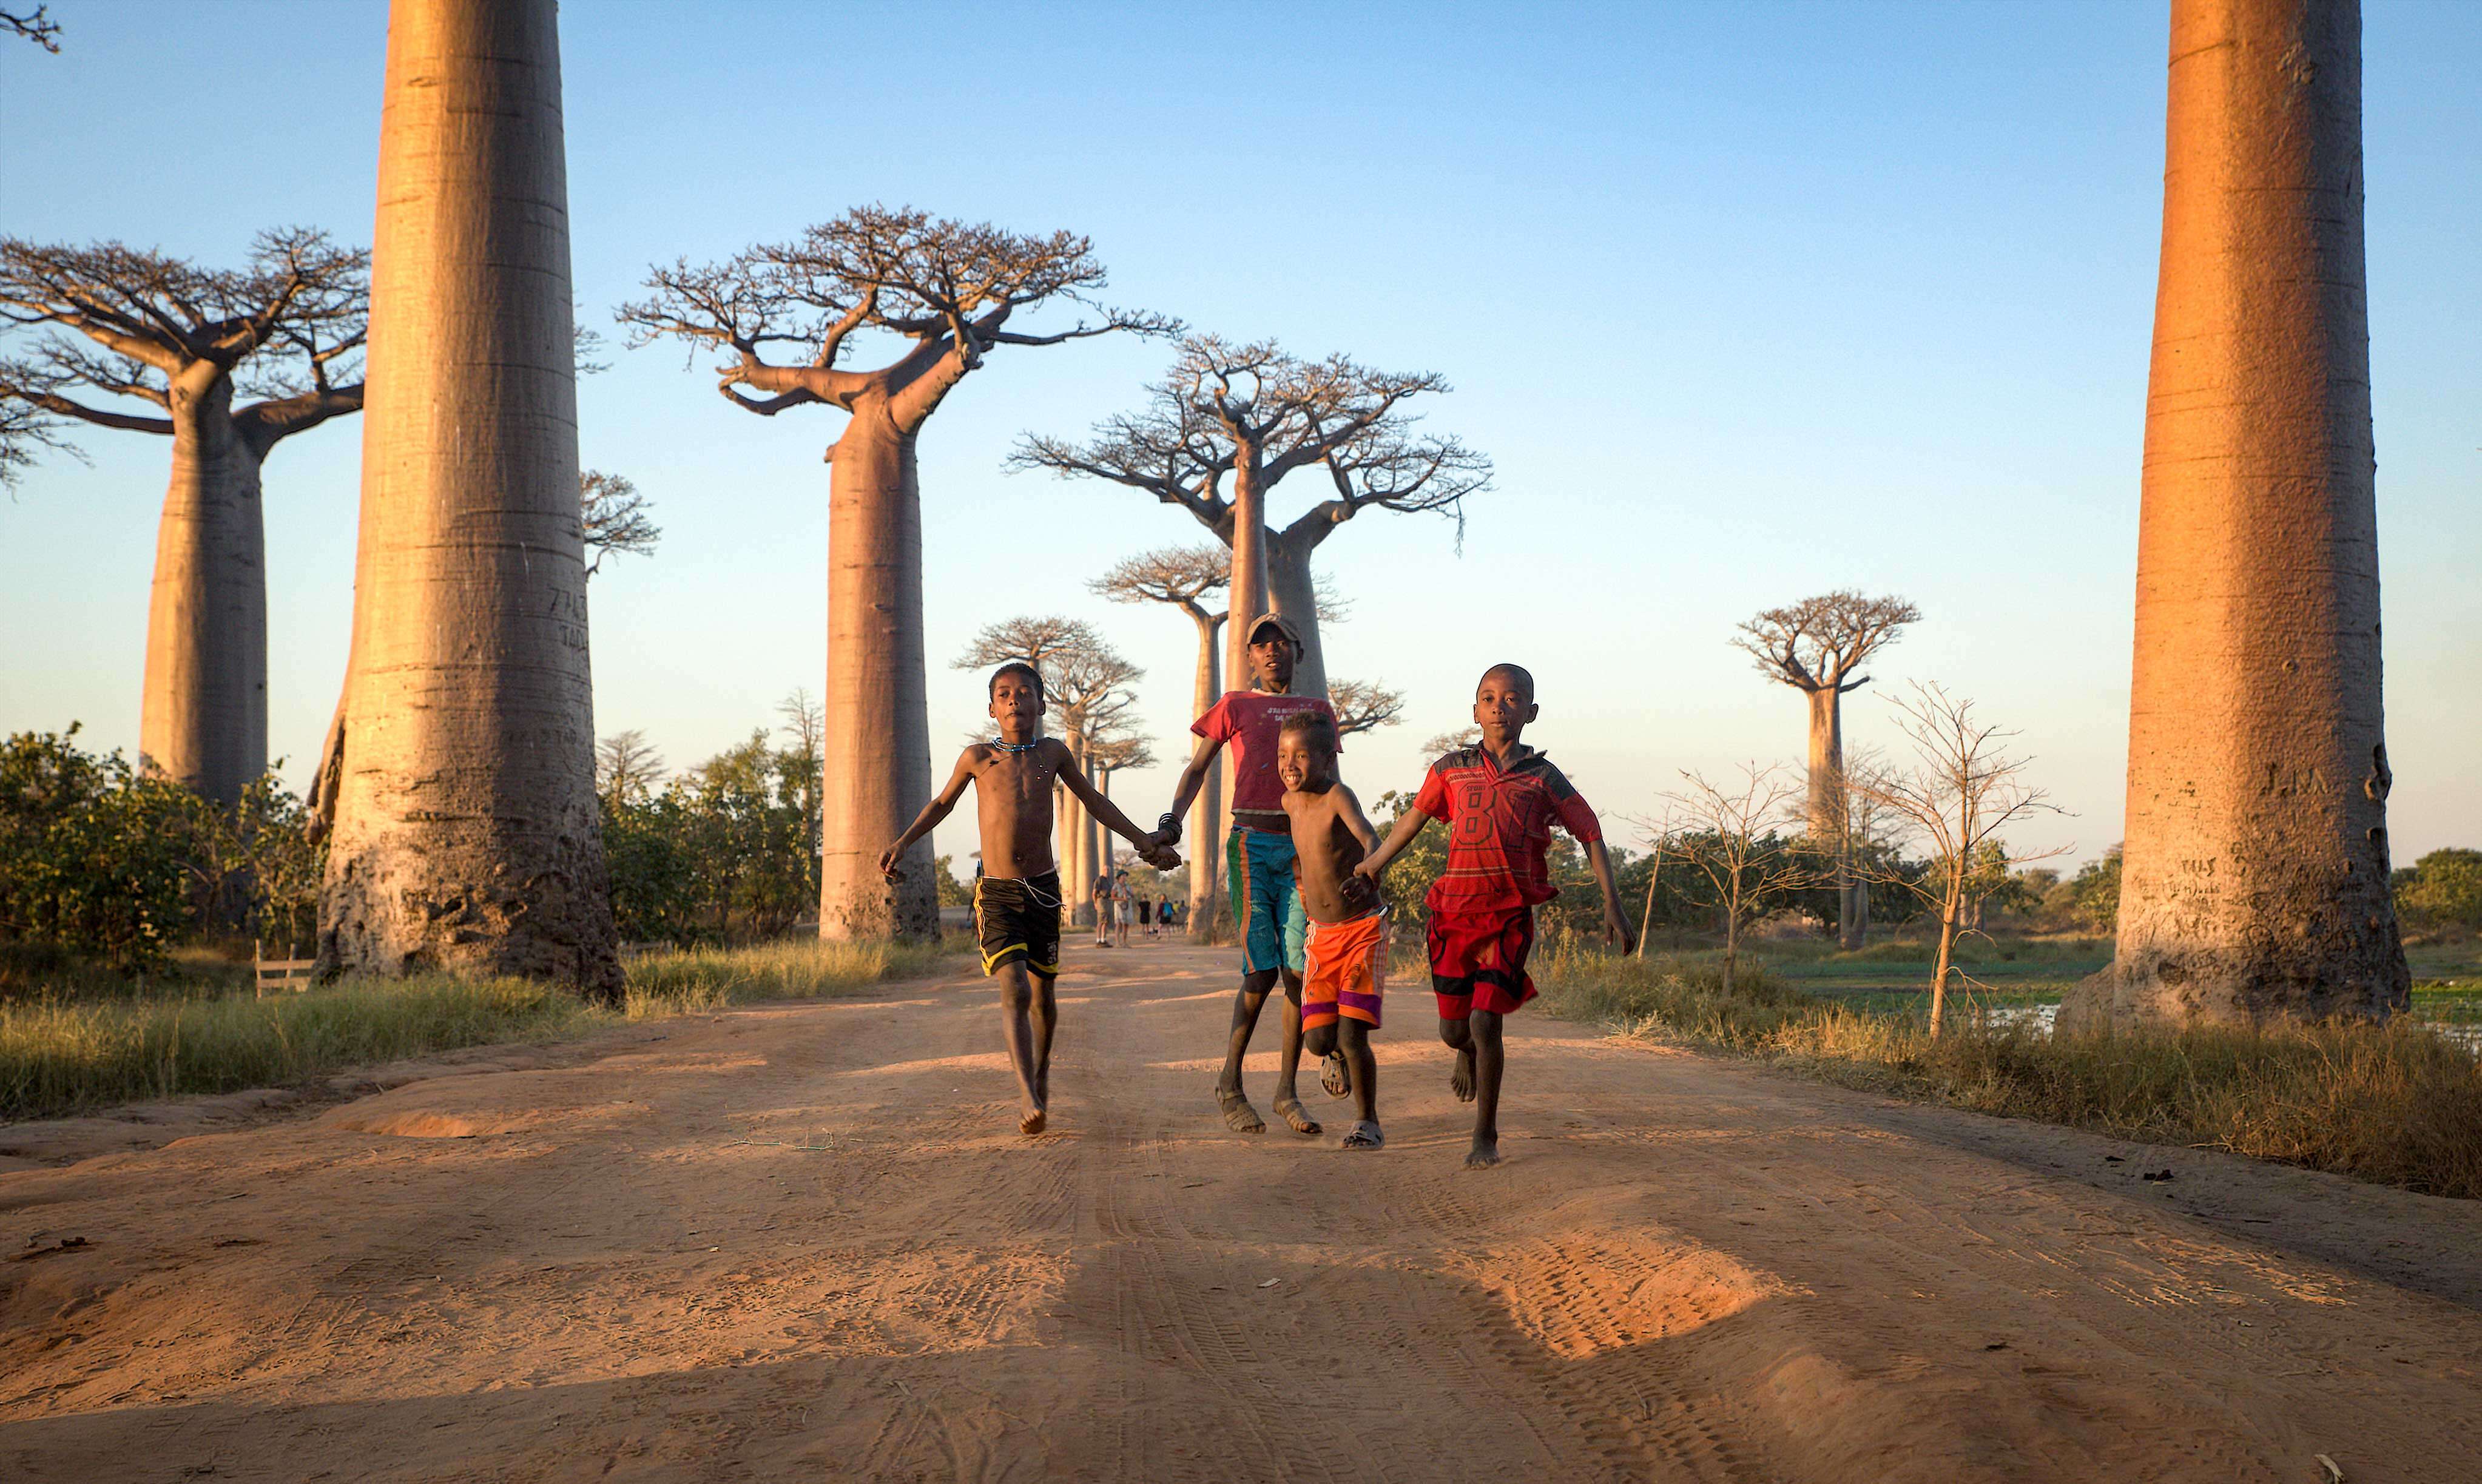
column 2442, row 889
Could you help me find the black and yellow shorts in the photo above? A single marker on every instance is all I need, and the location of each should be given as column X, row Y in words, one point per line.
column 1019, row 919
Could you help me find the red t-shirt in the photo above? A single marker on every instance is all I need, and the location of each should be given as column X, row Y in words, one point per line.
column 1246, row 721
column 1499, row 829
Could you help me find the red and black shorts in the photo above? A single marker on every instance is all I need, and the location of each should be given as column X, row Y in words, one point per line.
column 1478, row 961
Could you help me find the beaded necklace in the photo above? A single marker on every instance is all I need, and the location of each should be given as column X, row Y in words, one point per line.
column 1006, row 746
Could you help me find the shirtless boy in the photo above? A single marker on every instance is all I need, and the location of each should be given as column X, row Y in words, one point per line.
column 1345, row 951
column 1016, row 896
column 1258, row 857
column 1500, row 799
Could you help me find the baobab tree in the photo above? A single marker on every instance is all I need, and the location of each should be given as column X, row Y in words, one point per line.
column 1182, row 577
column 35, row 25
column 1816, row 647
column 2254, row 882
column 1115, row 750
column 949, row 291
column 613, row 519
column 1963, row 791
column 1363, row 706
column 1228, row 422
column 284, row 331
column 460, row 771
column 627, row 768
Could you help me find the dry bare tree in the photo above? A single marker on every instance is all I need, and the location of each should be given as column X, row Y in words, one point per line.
column 460, row 771
column 1729, row 835
column 1181, row 578
column 1962, row 789
column 35, row 25
column 1660, row 832
column 1363, row 706
column 627, row 768
column 948, row 293
column 1228, row 422
column 2255, row 878
column 282, row 333
column 1816, row 647
column 613, row 518
column 1084, row 683
column 1448, row 742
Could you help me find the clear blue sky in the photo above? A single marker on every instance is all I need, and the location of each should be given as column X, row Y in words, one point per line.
column 1745, row 301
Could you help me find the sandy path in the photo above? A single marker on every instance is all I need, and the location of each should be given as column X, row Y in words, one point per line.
column 805, row 1243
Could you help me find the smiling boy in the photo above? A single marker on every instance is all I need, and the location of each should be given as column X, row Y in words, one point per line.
column 1345, row 950
column 1500, row 799
column 1016, row 894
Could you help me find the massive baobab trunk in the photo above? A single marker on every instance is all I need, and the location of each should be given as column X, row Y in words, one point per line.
column 877, row 758
column 2254, row 877
column 1248, row 591
column 1293, row 592
column 462, row 767
column 203, row 717
column 1826, row 810
column 1207, row 822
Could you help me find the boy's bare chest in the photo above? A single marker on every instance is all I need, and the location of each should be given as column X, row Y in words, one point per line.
column 1022, row 778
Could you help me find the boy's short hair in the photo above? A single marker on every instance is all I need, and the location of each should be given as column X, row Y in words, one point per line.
column 1020, row 667
column 1516, row 672
column 1314, row 726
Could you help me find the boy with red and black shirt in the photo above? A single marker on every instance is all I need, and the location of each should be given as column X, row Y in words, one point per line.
column 1500, row 799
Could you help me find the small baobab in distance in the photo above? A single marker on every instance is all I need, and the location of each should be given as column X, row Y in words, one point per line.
column 1817, row 646
column 948, row 293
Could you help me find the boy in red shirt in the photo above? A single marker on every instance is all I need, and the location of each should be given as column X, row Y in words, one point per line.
column 1500, row 799
column 1258, row 857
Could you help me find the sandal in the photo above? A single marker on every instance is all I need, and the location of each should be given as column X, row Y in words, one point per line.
column 1334, row 1075
column 1238, row 1115
column 1364, row 1134
column 1291, row 1111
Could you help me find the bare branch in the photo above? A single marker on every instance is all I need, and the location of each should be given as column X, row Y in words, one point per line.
column 35, row 26
column 612, row 517
column 1363, row 706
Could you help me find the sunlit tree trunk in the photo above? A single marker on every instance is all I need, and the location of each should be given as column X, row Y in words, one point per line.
column 465, row 830
column 1826, row 810
column 1248, row 592
column 875, row 769
column 2254, row 876
column 1206, row 811
column 1292, row 590
column 1645, row 924
column 202, row 719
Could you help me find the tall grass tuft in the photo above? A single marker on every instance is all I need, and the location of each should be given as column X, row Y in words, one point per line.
column 2399, row 1104
column 63, row 1052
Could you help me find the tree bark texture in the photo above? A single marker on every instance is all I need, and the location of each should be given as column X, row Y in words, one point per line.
column 203, row 718
column 1207, row 811
column 1292, row 590
column 1825, row 810
column 1248, row 591
column 877, row 768
column 466, row 833
column 2254, row 876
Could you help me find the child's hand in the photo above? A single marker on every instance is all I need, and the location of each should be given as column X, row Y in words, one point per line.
column 1359, row 891
column 1163, row 858
column 1616, row 931
column 887, row 863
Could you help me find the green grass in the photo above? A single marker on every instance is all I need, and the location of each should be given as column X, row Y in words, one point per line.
column 2398, row 1104
column 73, row 1045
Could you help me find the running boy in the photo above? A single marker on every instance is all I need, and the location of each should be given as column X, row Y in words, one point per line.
column 1258, row 860
column 1501, row 798
column 1345, row 950
column 1016, row 893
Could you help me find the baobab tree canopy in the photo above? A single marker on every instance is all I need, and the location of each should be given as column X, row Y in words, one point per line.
column 135, row 326
column 1227, row 422
column 949, row 293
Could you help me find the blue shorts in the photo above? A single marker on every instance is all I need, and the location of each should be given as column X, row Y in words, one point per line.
column 1266, row 903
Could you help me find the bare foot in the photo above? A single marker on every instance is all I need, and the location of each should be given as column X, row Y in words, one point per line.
column 1364, row 1134
column 1290, row 1108
column 1238, row 1115
column 1032, row 1122
column 1462, row 1080
column 1484, row 1155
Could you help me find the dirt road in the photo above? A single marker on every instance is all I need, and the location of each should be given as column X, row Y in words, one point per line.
column 807, row 1242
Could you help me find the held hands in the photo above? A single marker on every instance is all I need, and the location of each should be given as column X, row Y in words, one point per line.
column 1162, row 857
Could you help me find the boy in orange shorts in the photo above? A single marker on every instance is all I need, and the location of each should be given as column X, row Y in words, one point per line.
column 1345, row 954
column 1500, row 799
